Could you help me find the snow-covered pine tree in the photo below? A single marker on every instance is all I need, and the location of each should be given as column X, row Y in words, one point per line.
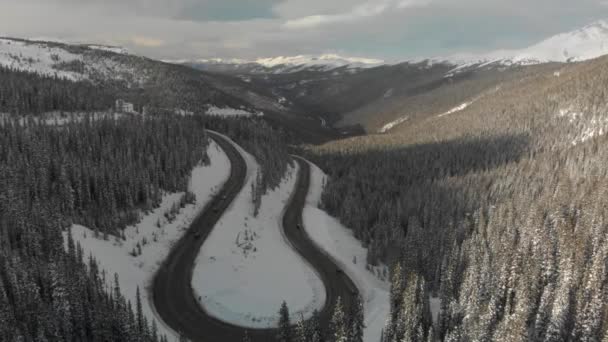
column 284, row 324
column 356, row 320
column 338, row 324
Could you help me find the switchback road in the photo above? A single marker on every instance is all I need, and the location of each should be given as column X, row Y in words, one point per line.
column 173, row 297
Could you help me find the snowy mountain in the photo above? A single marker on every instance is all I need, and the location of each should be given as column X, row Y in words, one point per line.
column 73, row 62
column 586, row 43
column 282, row 64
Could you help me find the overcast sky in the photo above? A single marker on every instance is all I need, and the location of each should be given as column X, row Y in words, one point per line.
column 386, row 29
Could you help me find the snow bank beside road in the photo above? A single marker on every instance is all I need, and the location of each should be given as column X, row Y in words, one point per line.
column 114, row 255
column 339, row 243
column 246, row 269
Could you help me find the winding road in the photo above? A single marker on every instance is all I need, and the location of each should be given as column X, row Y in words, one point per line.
column 173, row 297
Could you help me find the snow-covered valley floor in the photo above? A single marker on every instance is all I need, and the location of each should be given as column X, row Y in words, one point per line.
column 114, row 255
column 246, row 268
column 338, row 241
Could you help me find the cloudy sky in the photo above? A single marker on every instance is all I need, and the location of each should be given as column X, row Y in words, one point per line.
column 387, row 29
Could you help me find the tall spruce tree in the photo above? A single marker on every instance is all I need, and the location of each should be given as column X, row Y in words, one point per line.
column 284, row 324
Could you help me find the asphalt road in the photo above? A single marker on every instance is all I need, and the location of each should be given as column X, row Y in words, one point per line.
column 173, row 297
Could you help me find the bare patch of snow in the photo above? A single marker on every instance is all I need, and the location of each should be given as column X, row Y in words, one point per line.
column 388, row 93
column 52, row 60
column 155, row 235
column 113, row 49
column 183, row 112
column 435, row 306
column 227, row 111
column 392, row 124
column 456, row 109
column 588, row 127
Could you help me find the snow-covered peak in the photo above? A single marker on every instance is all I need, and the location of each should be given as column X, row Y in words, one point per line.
column 586, row 43
column 582, row 44
column 330, row 61
column 285, row 64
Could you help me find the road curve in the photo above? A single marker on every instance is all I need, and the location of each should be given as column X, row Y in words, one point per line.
column 173, row 297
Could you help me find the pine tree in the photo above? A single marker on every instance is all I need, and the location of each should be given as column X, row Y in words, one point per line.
column 356, row 320
column 138, row 312
column 301, row 331
column 338, row 324
column 246, row 337
column 314, row 327
column 284, row 324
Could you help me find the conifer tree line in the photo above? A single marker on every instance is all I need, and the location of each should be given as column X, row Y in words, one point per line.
column 50, row 294
column 267, row 144
column 503, row 218
column 345, row 326
column 102, row 173
column 99, row 173
column 30, row 93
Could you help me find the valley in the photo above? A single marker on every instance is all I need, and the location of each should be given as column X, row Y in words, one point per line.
column 307, row 198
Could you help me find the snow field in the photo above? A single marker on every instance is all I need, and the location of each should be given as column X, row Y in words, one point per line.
column 44, row 59
column 227, row 111
column 113, row 255
column 246, row 267
column 392, row 124
column 339, row 242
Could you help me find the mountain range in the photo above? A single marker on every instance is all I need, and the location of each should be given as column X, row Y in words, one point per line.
column 581, row 44
column 316, row 94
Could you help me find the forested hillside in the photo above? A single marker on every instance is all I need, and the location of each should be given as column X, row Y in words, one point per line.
column 140, row 80
column 101, row 174
column 498, row 210
column 29, row 93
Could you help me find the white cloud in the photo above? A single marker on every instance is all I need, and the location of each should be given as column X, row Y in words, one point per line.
column 365, row 10
column 385, row 29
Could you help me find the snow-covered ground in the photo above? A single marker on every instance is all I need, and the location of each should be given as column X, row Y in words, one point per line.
column 227, row 111
column 340, row 243
column 456, row 109
column 113, row 49
column 36, row 58
column 114, row 255
column 392, row 124
column 587, row 126
column 246, row 267
column 52, row 59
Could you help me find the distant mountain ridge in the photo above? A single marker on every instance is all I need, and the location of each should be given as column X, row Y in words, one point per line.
column 588, row 42
column 284, row 64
